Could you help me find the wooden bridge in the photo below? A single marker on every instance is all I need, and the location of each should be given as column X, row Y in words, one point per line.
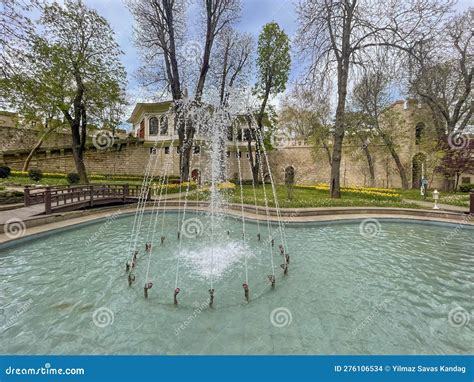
column 58, row 199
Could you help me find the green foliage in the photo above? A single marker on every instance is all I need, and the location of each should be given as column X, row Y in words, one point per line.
column 73, row 178
column 69, row 69
column 5, row 172
column 273, row 60
column 466, row 187
column 35, row 175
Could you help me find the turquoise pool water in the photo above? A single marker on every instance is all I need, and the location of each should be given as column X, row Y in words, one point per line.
column 405, row 288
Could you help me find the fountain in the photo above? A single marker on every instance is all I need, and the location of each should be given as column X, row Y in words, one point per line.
column 211, row 125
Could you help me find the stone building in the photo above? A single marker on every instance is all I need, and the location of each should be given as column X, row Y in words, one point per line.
column 153, row 133
column 153, row 123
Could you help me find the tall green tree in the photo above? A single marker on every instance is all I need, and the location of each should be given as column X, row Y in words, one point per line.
column 72, row 67
column 273, row 65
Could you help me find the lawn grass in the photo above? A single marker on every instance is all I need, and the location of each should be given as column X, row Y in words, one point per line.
column 312, row 198
column 301, row 197
column 460, row 199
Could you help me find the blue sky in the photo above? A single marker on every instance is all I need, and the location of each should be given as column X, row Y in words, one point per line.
column 255, row 14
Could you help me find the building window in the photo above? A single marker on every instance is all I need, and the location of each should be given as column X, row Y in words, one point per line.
column 238, row 154
column 164, row 125
column 227, row 154
column 153, row 126
column 248, row 156
column 239, row 135
column 466, row 180
column 197, row 149
column 177, row 149
column 152, row 150
column 419, row 132
column 167, row 150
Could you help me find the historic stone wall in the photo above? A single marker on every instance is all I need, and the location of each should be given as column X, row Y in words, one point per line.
column 311, row 163
column 18, row 138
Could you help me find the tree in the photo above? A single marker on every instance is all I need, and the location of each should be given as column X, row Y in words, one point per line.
column 273, row 64
column 16, row 28
column 456, row 161
column 160, row 28
column 73, row 68
column 361, row 132
column 442, row 72
column 231, row 63
column 337, row 36
column 372, row 97
column 305, row 115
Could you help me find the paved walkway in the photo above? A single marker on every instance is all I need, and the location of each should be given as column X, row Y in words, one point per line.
column 442, row 207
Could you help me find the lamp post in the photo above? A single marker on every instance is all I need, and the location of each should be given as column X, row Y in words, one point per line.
column 436, row 198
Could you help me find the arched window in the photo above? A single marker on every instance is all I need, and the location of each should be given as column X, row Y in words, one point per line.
column 164, row 125
column 420, row 127
column 153, row 126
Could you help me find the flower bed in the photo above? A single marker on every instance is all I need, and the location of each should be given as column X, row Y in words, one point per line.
column 375, row 193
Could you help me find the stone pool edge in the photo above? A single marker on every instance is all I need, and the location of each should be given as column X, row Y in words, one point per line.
column 39, row 226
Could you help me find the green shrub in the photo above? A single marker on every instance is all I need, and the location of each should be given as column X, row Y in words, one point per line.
column 35, row 175
column 73, row 178
column 466, row 187
column 5, row 172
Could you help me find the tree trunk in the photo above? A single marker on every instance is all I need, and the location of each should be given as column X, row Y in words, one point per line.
column 32, row 152
column 253, row 160
column 38, row 144
column 396, row 158
column 456, row 182
column 370, row 163
column 335, row 181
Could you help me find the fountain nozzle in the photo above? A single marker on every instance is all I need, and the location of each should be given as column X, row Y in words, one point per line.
column 145, row 289
column 211, row 297
column 285, row 268
column 131, row 279
column 176, row 292
column 163, row 239
column 148, row 247
column 259, row 237
column 272, row 280
column 246, row 291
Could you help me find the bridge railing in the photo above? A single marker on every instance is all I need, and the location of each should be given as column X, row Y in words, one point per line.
column 54, row 197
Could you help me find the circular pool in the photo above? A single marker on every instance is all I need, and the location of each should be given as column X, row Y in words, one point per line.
column 354, row 287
